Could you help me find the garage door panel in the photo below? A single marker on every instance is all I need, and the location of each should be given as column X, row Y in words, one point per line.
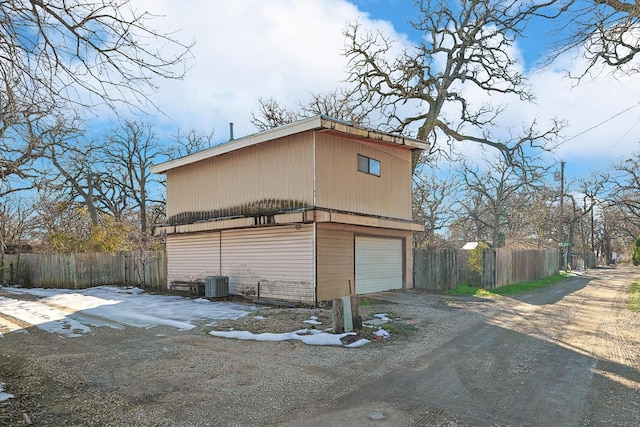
column 192, row 257
column 379, row 264
column 279, row 259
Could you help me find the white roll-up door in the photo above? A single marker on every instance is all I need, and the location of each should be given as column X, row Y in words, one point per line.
column 280, row 259
column 192, row 257
column 379, row 264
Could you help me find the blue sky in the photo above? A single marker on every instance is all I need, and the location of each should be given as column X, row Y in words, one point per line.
column 287, row 49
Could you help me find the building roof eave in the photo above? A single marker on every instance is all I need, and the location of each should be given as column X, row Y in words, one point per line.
column 312, row 123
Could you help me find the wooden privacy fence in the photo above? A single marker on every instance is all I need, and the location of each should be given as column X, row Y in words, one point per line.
column 84, row 270
column 442, row 269
column 502, row 267
column 582, row 261
column 439, row 269
column 434, row 270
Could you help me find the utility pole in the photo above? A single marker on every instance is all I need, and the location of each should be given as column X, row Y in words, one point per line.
column 593, row 245
column 563, row 263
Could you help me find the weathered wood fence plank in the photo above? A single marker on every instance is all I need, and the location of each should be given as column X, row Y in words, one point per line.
column 84, row 270
column 435, row 269
column 14, row 269
column 502, row 267
column 442, row 269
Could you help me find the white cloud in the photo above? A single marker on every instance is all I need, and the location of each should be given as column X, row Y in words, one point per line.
column 250, row 49
column 602, row 113
column 288, row 49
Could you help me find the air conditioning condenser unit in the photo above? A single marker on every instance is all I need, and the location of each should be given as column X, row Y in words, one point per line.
column 216, row 286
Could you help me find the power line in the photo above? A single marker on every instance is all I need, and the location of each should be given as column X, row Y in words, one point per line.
column 601, row 123
column 625, row 135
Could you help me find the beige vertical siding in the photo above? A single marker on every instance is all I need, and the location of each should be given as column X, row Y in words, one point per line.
column 278, row 170
column 339, row 184
column 335, row 263
column 192, row 257
column 280, row 259
column 336, row 250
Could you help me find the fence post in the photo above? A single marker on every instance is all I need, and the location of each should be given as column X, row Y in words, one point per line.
column 488, row 268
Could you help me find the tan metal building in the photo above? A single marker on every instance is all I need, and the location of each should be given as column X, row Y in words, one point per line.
column 307, row 212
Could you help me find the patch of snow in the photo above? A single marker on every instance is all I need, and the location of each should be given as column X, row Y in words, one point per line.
column 381, row 316
column 72, row 312
column 304, row 335
column 376, row 415
column 4, row 396
column 381, row 333
column 48, row 318
column 359, row 343
column 372, row 323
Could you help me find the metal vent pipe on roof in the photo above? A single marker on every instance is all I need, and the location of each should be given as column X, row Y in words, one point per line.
column 231, row 131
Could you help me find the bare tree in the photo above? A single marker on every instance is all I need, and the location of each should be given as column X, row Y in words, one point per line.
column 131, row 151
column 79, row 175
column 57, row 55
column 271, row 115
column 614, row 231
column 192, row 141
column 64, row 51
column 466, row 47
column 540, row 219
column 71, row 173
column 16, row 222
column 624, row 193
column 433, row 200
column 22, row 140
column 340, row 104
column 582, row 216
column 607, row 32
column 495, row 196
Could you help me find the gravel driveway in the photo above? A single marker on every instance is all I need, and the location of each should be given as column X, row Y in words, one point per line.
column 567, row 355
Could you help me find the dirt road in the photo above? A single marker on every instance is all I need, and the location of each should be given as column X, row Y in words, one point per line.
column 568, row 355
column 564, row 356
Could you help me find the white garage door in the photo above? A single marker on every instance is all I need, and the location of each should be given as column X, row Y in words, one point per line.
column 378, row 264
column 280, row 259
column 193, row 256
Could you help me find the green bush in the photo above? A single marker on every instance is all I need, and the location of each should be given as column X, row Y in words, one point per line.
column 635, row 253
column 475, row 264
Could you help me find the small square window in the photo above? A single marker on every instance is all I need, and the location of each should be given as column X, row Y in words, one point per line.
column 368, row 165
column 374, row 167
column 363, row 164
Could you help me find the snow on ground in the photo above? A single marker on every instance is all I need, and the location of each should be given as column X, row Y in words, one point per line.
column 312, row 321
column 4, row 396
column 307, row 336
column 72, row 313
